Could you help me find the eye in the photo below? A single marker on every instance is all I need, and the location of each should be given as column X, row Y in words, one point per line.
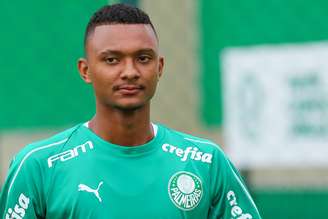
column 144, row 58
column 111, row 60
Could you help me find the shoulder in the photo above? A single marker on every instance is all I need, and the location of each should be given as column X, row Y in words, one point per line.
column 29, row 163
column 45, row 147
column 197, row 147
column 192, row 140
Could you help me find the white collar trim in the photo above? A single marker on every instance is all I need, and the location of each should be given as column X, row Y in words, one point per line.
column 155, row 127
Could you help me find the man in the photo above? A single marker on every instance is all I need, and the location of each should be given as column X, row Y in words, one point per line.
column 119, row 164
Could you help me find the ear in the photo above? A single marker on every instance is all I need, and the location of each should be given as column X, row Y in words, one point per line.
column 160, row 66
column 83, row 67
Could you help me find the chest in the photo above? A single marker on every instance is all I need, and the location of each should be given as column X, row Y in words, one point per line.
column 137, row 187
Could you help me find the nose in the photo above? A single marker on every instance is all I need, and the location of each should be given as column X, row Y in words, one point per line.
column 130, row 72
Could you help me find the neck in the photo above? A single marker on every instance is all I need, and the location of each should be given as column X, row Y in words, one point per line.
column 127, row 128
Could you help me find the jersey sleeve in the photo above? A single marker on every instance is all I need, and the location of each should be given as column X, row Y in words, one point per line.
column 20, row 196
column 231, row 198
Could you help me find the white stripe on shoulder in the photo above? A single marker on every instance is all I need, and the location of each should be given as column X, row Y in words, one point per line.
column 244, row 188
column 29, row 154
column 199, row 141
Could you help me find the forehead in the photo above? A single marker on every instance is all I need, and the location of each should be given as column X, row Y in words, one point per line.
column 122, row 37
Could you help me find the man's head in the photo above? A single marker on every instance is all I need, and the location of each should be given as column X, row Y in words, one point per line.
column 122, row 57
column 117, row 14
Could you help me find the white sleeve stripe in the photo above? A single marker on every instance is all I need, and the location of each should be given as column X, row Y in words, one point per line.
column 29, row 154
column 199, row 141
column 244, row 188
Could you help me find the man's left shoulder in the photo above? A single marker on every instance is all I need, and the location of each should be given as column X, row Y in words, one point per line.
column 190, row 142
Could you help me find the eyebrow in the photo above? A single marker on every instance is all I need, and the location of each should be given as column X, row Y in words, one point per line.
column 118, row 52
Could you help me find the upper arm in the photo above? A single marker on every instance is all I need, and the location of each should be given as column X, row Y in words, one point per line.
column 21, row 195
column 231, row 198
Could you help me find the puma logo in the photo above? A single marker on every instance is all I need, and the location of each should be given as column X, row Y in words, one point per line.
column 85, row 188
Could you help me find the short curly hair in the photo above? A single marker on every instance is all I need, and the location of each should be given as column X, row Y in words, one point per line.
column 117, row 14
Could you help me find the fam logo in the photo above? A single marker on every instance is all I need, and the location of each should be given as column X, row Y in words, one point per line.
column 70, row 154
column 185, row 190
column 19, row 210
column 190, row 152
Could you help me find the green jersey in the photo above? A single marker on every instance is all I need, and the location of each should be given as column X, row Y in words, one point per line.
column 76, row 174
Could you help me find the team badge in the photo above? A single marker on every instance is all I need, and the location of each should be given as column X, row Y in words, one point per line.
column 185, row 190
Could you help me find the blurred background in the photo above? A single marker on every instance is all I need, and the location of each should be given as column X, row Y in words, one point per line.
column 250, row 75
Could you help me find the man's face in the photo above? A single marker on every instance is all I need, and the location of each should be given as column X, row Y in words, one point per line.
column 122, row 64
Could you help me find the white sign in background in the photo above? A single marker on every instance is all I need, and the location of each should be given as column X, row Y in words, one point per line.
column 276, row 105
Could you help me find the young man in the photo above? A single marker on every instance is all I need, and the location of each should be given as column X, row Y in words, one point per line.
column 119, row 164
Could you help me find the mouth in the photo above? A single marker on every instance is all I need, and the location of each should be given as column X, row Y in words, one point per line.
column 128, row 89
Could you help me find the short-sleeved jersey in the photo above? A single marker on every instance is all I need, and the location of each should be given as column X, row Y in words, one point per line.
column 76, row 174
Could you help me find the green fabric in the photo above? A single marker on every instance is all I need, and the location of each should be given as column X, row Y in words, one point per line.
column 226, row 23
column 76, row 174
column 40, row 44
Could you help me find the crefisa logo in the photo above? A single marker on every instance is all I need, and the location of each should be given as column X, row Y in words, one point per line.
column 236, row 211
column 185, row 190
column 192, row 153
column 19, row 210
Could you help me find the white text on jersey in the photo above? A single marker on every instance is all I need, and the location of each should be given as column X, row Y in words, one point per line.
column 19, row 210
column 190, row 152
column 69, row 154
column 236, row 211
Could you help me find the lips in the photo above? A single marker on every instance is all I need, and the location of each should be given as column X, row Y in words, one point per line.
column 128, row 89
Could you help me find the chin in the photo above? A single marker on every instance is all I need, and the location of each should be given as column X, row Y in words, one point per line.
column 129, row 107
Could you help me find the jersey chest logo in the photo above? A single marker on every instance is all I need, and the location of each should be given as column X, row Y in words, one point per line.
column 70, row 154
column 185, row 190
column 85, row 188
column 192, row 153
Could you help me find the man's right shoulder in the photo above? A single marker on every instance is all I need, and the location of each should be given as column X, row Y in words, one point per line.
column 45, row 147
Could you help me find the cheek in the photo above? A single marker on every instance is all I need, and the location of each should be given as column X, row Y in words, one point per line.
column 103, row 83
column 101, row 70
column 103, row 75
column 152, row 72
column 153, row 83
